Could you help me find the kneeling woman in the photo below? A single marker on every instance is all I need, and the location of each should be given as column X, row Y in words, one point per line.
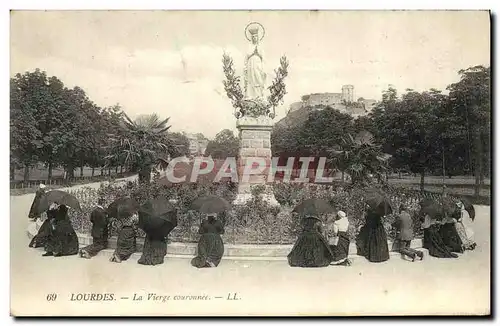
column 210, row 245
column 433, row 241
column 340, row 249
column 157, row 229
column 311, row 248
column 155, row 250
column 372, row 238
column 40, row 239
column 464, row 233
column 450, row 236
column 99, row 220
column 62, row 240
column 126, row 244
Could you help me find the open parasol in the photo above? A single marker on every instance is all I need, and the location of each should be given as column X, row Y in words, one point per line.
column 437, row 209
column 314, row 206
column 377, row 200
column 210, row 204
column 122, row 208
column 469, row 208
column 432, row 208
column 59, row 197
column 157, row 217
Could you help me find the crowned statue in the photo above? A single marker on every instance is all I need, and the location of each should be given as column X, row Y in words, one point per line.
column 254, row 75
column 256, row 99
column 254, row 108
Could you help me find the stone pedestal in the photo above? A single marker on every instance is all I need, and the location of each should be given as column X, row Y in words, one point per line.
column 255, row 137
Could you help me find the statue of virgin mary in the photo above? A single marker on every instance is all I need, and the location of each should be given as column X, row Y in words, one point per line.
column 255, row 77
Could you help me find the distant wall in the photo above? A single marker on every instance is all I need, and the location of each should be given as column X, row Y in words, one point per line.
column 323, row 99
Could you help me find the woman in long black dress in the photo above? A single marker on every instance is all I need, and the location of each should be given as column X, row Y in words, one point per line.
column 62, row 240
column 311, row 248
column 373, row 237
column 126, row 243
column 361, row 240
column 433, row 241
column 210, row 245
column 154, row 251
column 449, row 234
column 40, row 239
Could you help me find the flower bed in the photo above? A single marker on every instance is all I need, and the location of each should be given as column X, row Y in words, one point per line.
column 254, row 223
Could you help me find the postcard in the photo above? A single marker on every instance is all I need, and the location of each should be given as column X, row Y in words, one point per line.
column 250, row 163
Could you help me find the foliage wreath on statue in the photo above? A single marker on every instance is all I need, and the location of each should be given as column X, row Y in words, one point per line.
column 251, row 102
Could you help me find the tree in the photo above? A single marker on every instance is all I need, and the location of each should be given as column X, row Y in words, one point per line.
column 180, row 144
column 364, row 123
column 25, row 99
column 328, row 132
column 470, row 98
column 360, row 157
column 98, row 135
column 143, row 142
column 446, row 132
column 56, row 126
column 406, row 128
column 323, row 130
column 74, row 129
column 109, row 155
column 59, row 119
column 200, row 136
column 284, row 140
column 225, row 144
column 319, row 133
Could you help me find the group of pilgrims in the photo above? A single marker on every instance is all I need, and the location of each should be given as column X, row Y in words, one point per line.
column 323, row 241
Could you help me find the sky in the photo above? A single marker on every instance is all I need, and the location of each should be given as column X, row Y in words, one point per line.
column 170, row 62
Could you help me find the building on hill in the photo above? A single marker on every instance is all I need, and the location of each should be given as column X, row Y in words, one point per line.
column 299, row 113
column 348, row 93
column 344, row 102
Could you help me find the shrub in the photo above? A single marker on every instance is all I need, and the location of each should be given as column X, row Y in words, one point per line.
column 259, row 222
column 255, row 222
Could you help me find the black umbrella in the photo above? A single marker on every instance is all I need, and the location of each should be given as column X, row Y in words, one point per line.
column 314, row 206
column 437, row 209
column 58, row 197
column 469, row 208
column 377, row 200
column 210, row 204
column 432, row 208
column 157, row 217
column 122, row 208
column 34, row 205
